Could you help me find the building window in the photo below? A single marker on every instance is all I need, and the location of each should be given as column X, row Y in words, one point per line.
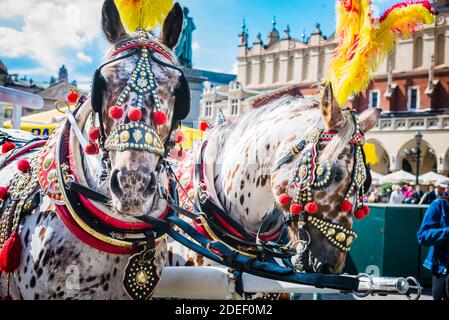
column 234, row 107
column 374, row 99
column 321, row 61
column 291, row 68
column 276, row 70
column 305, row 67
column 440, row 49
column 249, row 73
column 262, row 72
column 208, row 110
column 413, row 98
column 418, row 53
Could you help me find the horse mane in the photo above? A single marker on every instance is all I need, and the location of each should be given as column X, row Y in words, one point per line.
column 301, row 104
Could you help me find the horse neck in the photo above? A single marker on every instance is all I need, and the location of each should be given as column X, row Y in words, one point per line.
column 247, row 151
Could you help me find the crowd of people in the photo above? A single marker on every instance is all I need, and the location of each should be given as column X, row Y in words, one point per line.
column 407, row 194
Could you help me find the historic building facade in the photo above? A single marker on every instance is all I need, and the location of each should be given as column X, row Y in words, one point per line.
column 411, row 86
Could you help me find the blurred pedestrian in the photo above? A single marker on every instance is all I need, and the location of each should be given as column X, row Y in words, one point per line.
column 417, row 195
column 434, row 193
column 396, row 196
column 375, row 196
column 434, row 233
column 408, row 194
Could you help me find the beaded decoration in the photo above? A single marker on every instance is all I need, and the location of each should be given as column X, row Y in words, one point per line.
column 142, row 81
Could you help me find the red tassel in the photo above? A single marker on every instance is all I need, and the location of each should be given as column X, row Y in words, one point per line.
column 312, row 207
column 296, row 209
column 203, row 126
column 182, row 155
column 359, row 214
column 178, row 137
column 366, row 210
column 8, row 146
column 92, row 149
column 94, row 134
column 73, row 97
column 10, row 255
column 346, row 206
column 116, row 113
column 4, row 192
column 23, row 165
column 135, row 115
column 284, row 199
column 159, row 118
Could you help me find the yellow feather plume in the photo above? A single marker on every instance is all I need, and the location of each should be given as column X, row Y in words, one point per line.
column 146, row 14
column 365, row 41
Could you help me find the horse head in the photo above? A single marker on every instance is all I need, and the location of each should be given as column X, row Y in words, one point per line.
column 140, row 96
column 337, row 176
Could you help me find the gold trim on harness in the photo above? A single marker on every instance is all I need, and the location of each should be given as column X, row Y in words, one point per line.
column 338, row 235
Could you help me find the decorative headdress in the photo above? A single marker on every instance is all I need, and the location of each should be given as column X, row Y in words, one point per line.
column 364, row 41
column 145, row 14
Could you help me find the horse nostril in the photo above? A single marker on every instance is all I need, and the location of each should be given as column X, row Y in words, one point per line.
column 151, row 186
column 115, row 185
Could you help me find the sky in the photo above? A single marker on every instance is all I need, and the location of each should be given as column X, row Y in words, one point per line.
column 38, row 36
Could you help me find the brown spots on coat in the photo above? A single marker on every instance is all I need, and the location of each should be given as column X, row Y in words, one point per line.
column 292, row 138
column 229, row 189
column 242, row 199
column 235, row 171
column 42, row 233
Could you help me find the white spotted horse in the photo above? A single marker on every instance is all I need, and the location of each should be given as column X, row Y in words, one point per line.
column 71, row 206
column 290, row 173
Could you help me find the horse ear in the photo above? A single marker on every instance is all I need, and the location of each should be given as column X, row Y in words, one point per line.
column 112, row 24
column 369, row 119
column 172, row 28
column 331, row 111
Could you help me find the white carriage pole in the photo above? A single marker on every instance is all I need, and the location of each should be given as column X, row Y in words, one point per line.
column 216, row 283
column 19, row 99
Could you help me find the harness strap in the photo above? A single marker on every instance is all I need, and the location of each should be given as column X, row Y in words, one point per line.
column 290, row 155
column 222, row 254
column 88, row 192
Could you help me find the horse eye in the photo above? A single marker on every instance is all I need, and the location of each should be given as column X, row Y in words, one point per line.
column 338, row 174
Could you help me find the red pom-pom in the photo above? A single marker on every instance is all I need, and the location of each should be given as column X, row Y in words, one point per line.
column 346, row 206
column 178, row 137
column 94, row 134
column 312, row 207
column 23, row 165
column 203, row 126
column 92, row 149
column 182, row 155
column 116, row 112
column 73, row 97
column 359, row 214
column 284, row 199
column 159, row 118
column 367, row 210
column 4, row 192
column 296, row 209
column 10, row 255
column 178, row 155
column 8, row 146
column 135, row 115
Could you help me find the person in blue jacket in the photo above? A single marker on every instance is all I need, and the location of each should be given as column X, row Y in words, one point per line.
column 434, row 233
